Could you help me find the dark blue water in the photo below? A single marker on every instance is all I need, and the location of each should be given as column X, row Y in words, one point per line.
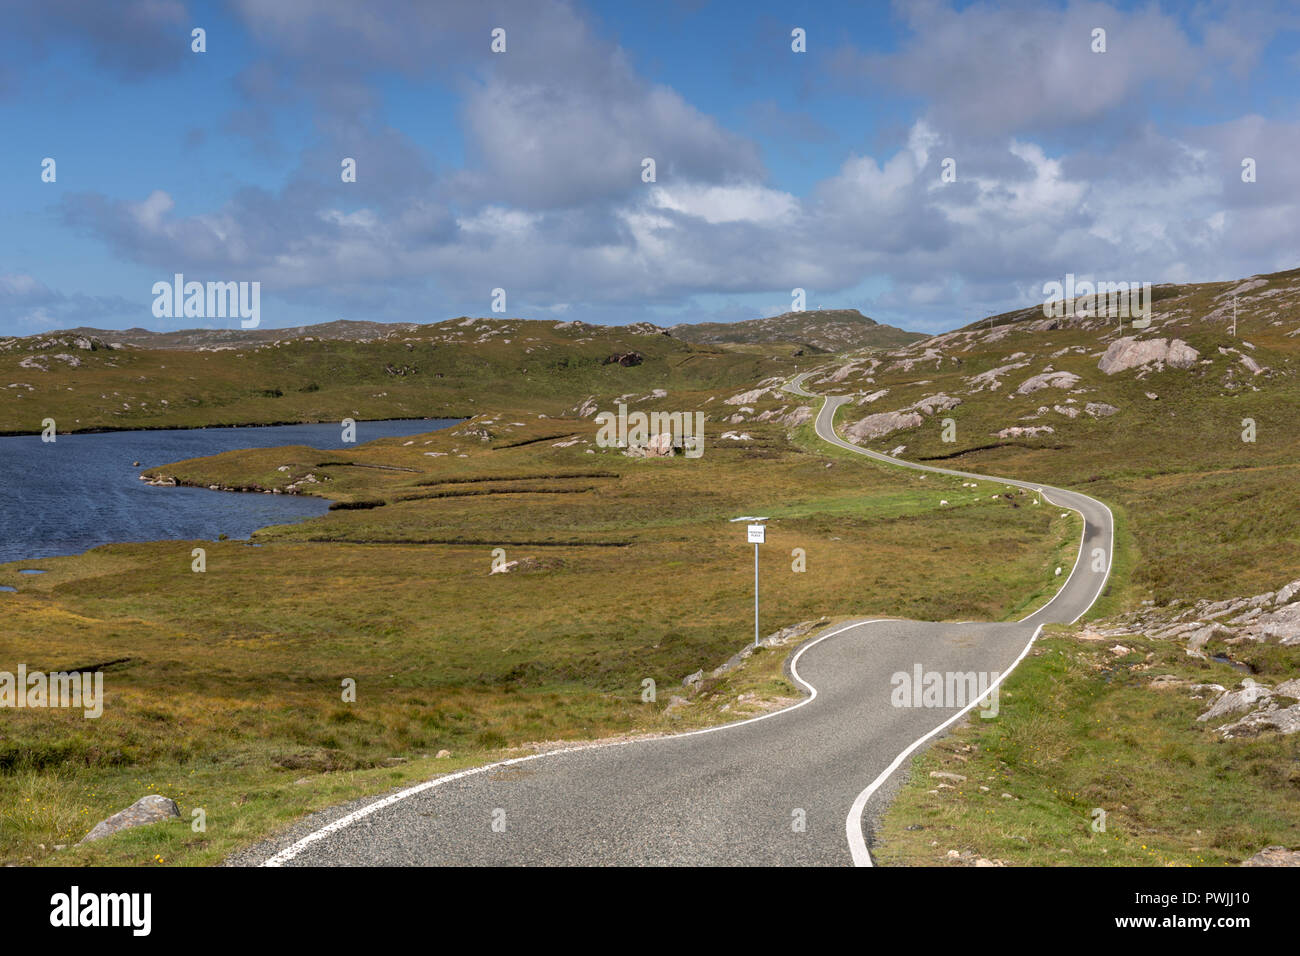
column 81, row 491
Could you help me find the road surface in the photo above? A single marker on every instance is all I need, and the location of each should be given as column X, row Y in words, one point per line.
column 797, row 787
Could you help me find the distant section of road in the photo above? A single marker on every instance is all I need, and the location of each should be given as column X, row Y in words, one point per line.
column 783, row 789
column 1085, row 583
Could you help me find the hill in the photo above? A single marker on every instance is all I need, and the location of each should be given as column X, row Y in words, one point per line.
column 91, row 379
column 820, row 330
column 1180, row 424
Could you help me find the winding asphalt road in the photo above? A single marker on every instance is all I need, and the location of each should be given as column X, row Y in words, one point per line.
column 790, row 788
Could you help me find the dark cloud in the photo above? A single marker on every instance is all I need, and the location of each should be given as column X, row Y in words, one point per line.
column 131, row 39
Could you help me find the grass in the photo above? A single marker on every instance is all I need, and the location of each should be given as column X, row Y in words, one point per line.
column 1080, row 730
column 1199, row 513
column 228, row 691
column 228, row 697
column 446, row 369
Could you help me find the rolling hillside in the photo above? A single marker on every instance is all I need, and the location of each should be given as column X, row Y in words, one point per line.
column 820, row 330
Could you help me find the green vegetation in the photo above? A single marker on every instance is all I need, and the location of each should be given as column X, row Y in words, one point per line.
column 1081, row 728
column 224, row 689
column 1199, row 513
column 227, row 687
column 813, row 330
column 451, row 369
column 1208, row 515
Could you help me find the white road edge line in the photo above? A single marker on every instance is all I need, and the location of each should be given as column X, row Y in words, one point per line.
column 853, row 823
column 291, row 851
column 853, row 826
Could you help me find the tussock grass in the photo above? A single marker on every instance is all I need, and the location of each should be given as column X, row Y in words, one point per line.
column 1079, row 730
column 231, row 698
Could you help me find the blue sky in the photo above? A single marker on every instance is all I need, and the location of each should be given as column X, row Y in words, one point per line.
column 522, row 170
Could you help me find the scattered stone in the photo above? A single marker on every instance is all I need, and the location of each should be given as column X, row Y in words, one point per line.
column 944, row 775
column 1274, row 856
column 155, row 808
column 1017, row 431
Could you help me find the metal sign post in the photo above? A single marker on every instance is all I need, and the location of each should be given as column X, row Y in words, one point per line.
column 756, row 536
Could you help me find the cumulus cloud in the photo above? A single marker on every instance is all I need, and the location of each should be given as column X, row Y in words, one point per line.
column 550, row 204
column 993, row 70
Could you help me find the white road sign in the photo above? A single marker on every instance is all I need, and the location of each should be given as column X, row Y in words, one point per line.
column 756, row 533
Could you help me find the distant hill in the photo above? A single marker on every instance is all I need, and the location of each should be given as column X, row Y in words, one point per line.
column 341, row 330
column 93, row 379
column 824, row 330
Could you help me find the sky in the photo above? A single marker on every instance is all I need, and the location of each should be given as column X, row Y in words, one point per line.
column 928, row 163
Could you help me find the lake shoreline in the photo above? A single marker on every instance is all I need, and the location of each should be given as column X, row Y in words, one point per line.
column 66, row 498
column 105, row 429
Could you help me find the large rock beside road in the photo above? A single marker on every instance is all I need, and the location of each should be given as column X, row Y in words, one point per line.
column 1129, row 352
column 154, row 808
column 881, row 424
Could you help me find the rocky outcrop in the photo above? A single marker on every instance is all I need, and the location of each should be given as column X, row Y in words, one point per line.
column 1100, row 409
column 586, row 408
column 935, row 403
column 1019, row 431
column 801, row 415
column 1282, row 720
column 992, row 379
column 881, row 424
column 648, row 328
column 625, row 359
column 744, row 398
column 1274, row 856
column 1235, row 701
column 1130, row 352
column 659, row 446
column 1048, row 379
column 154, row 808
